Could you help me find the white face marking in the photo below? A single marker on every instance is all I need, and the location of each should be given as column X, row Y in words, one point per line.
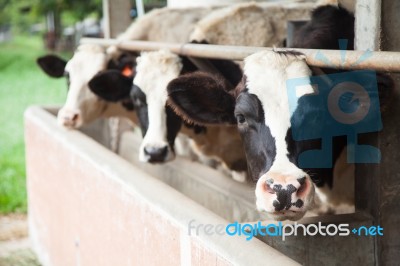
column 153, row 73
column 267, row 73
column 87, row 61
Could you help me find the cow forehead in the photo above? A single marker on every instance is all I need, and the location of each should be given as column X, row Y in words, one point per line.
column 154, row 71
column 87, row 61
column 266, row 75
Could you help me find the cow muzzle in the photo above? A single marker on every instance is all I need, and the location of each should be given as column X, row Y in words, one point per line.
column 70, row 118
column 285, row 197
column 156, row 154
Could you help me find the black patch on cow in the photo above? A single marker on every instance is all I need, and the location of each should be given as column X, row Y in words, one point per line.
column 52, row 65
column 307, row 116
column 138, row 99
column 284, row 198
column 111, row 85
column 66, row 75
column 187, row 66
column 202, row 98
column 174, row 123
column 328, row 24
column 227, row 68
column 257, row 139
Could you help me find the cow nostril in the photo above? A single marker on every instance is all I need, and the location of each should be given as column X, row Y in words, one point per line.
column 301, row 180
column 75, row 117
column 268, row 188
column 303, row 188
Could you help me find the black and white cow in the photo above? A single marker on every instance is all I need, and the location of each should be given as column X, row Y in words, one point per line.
column 82, row 106
column 259, row 106
column 158, row 121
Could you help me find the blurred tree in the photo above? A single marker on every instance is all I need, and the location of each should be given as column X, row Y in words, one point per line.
column 81, row 9
column 53, row 10
column 24, row 13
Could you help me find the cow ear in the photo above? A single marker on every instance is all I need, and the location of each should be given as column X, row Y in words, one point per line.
column 111, row 85
column 202, row 98
column 52, row 65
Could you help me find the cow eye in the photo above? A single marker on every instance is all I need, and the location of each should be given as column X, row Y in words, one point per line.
column 240, row 119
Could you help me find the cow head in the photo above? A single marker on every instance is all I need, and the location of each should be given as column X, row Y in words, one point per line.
column 81, row 106
column 154, row 71
column 148, row 93
column 259, row 107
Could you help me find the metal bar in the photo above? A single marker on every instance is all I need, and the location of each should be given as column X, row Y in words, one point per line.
column 348, row 60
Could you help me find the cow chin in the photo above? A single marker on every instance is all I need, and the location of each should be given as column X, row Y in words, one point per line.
column 70, row 119
column 286, row 215
column 284, row 197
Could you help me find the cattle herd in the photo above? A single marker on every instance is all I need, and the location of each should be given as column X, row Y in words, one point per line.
column 236, row 115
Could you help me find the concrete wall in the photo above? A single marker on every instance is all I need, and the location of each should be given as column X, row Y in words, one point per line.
column 87, row 206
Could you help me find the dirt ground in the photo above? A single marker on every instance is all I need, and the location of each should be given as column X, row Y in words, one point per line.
column 15, row 248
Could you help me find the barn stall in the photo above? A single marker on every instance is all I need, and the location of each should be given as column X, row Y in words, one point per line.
column 85, row 200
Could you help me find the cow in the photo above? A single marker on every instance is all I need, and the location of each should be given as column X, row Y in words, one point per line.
column 82, row 106
column 250, row 24
column 259, row 106
column 159, row 123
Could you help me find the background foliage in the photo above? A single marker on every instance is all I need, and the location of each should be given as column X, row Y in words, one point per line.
column 23, row 84
column 23, row 13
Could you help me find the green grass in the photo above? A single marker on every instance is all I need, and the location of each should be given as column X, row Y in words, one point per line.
column 22, row 84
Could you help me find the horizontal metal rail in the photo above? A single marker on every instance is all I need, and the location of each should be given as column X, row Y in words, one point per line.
column 349, row 60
